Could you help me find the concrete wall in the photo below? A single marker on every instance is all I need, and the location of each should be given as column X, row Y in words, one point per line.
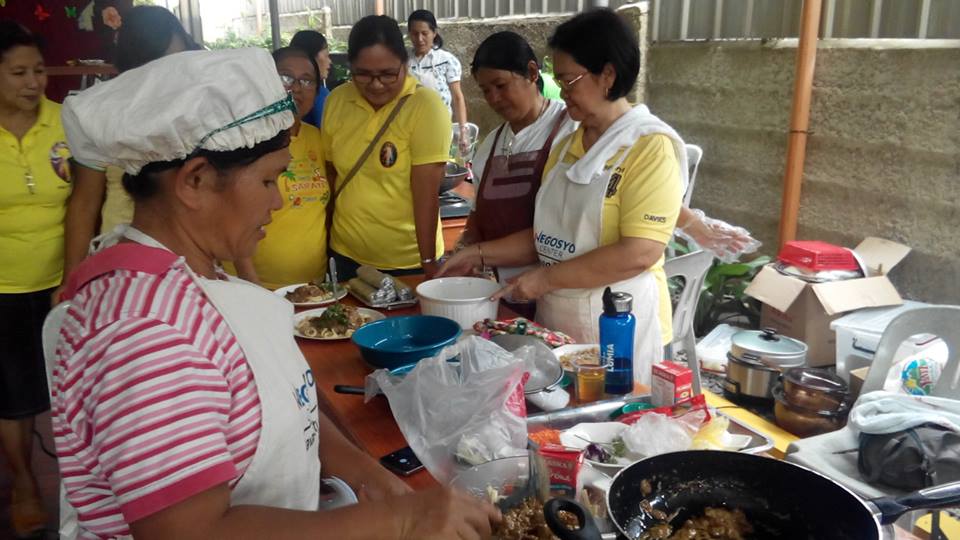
column 883, row 156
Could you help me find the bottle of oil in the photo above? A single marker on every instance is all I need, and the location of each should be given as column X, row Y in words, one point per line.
column 617, row 325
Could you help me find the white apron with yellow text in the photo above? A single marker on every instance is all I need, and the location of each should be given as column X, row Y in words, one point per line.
column 567, row 224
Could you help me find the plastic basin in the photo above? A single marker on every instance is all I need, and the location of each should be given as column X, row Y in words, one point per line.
column 399, row 341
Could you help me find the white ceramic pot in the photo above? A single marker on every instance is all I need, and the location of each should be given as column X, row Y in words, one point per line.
column 463, row 299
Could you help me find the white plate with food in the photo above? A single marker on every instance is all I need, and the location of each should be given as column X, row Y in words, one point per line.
column 338, row 321
column 578, row 352
column 311, row 294
column 601, row 442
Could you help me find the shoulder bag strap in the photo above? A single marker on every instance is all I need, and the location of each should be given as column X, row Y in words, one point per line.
column 360, row 161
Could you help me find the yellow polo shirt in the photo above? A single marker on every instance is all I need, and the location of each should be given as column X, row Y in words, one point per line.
column 295, row 248
column 31, row 224
column 644, row 203
column 373, row 220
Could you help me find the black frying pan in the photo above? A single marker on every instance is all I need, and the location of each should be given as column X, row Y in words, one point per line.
column 781, row 499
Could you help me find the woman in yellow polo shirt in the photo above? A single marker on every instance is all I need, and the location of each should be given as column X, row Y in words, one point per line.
column 609, row 200
column 33, row 196
column 386, row 213
column 295, row 248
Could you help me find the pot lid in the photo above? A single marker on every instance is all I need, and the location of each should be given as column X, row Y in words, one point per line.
column 767, row 343
column 816, row 379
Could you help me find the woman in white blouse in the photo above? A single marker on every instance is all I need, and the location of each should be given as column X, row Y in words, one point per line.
column 435, row 67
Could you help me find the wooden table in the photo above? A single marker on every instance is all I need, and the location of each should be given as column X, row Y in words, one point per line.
column 370, row 426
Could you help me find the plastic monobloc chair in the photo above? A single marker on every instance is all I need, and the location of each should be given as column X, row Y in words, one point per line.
column 693, row 268
column 50, row 334
column 834, row 454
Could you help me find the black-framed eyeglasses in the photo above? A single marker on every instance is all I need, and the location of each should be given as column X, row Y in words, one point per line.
column 386, row 77
column 288, row 81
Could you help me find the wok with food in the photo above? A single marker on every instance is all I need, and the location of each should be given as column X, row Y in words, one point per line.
column 740, row 496
column 337, row 321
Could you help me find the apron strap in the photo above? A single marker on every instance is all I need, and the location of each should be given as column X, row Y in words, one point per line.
column 493, row 149
column 123, row 256
column 547, row 145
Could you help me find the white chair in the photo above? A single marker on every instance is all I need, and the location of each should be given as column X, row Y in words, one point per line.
column 694, row 155
column 693, row 268
column 834, row 454
column 69, row 528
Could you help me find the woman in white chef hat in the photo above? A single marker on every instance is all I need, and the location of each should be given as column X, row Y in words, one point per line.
column 182, row 405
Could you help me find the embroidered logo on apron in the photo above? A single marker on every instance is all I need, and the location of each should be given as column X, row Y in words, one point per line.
column 60, row 160
column 613, row 184
column 388, row 154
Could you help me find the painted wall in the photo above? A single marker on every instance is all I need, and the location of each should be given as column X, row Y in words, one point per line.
column 883, row 152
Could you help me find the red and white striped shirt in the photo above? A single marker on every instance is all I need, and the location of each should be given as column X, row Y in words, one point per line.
column 153, row 400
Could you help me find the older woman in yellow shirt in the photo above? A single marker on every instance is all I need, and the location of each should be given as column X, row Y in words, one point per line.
column 386, row 209
column 33, row 197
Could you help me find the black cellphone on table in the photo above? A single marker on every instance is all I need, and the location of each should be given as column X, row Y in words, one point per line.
column 403, row 462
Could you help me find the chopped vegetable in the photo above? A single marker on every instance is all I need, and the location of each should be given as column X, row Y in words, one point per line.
column 546, row 436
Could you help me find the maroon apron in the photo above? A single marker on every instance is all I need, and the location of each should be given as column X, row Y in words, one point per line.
column 508, row 188
column 508, row 194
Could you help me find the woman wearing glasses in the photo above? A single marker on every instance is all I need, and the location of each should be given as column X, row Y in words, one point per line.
column 33, row 197
column 295, row 248
column 610, row 197
column 509, row 162
column 386, row 140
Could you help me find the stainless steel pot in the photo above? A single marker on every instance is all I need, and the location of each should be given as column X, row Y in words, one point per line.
column 757, row 358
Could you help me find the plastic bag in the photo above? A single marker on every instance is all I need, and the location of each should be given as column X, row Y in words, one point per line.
column 457, row 414
column 655, row 434
column 727, row 242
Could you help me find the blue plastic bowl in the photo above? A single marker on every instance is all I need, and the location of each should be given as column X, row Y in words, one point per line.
column 398, row 341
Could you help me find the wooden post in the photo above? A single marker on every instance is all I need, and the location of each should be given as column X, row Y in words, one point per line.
column 378, row 8
column 799, row 120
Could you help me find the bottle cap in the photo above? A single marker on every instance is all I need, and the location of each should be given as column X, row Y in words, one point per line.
column 616, row 302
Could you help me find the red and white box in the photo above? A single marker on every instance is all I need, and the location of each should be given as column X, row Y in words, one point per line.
column 671, row 384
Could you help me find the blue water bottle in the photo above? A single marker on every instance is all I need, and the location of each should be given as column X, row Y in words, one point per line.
column 617, row 326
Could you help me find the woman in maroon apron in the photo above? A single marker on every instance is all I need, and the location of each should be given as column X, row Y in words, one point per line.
column 511, row 158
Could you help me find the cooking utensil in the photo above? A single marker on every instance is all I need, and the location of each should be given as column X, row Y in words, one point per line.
column 453, row 176
column 333, row 275
column 803, row 421
column 517, row 477
column 756, row 359
column 814, row 389
column 781, row 499
column 463, row 299
column 545, row 370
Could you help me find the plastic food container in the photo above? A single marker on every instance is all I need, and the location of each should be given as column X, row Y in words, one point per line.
column 463, row 299
column 814, row 389
column 804, row 422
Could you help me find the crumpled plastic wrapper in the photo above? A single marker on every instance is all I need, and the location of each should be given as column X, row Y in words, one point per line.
column 655, row 434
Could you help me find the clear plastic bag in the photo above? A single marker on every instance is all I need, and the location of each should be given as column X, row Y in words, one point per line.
column 454, row 415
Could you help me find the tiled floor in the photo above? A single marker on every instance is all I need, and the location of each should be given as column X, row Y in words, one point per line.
column 47, row 476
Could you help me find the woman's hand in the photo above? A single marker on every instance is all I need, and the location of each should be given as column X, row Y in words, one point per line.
column 464, row 140
column 430, row 269
column 529, row 285
column 462, row 263
column 377, row 484
column 444, row 514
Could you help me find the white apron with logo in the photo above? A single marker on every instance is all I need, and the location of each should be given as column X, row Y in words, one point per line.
column 285, row 469
column 567, row 225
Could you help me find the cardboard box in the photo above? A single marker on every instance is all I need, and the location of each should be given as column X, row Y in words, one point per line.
column 857, row 376
column 671, row 384
column 804, row 310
